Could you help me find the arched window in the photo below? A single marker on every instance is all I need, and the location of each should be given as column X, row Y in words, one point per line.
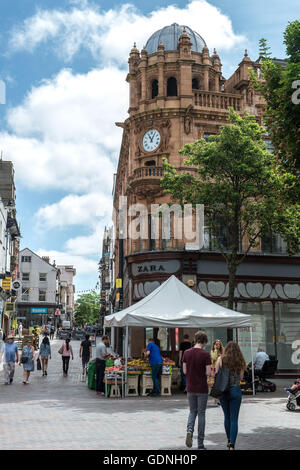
column 195, row 84
column 150, row 163
column 154, row 89
column 172, row 87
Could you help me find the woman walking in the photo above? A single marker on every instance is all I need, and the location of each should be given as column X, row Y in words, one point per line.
column 27, row 359
column 231, row 400
column 66, row 351
column 217, row 350
column 44, row 354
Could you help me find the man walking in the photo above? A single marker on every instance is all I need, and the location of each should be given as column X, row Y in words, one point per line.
column 156, row 362
column 197, row 367
column 11, row 356
column 101, row 356
column 85, row 353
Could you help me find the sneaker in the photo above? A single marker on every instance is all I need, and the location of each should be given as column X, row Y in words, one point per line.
column 6, row 383
column 189, row 439
column 46, row 372
column 202, row 448
column 11, row 381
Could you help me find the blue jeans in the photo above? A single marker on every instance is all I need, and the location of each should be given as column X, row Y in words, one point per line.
column 231, row 402
column 197, row 403
column 156, row 372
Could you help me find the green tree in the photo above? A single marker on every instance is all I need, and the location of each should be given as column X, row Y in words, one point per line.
column 88, row 308
column 264, row 49
column 280, row 87
column 242, row 189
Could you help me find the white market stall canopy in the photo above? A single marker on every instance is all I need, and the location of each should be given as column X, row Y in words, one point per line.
column 174, row 305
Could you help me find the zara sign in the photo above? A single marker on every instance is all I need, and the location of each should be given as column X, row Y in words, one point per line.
column 155, row 267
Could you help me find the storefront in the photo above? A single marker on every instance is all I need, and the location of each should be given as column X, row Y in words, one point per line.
column 267, row 288
column 35, row 315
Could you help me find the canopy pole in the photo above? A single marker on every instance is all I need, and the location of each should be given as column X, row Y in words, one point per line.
column 126, row 358
column 252, row 361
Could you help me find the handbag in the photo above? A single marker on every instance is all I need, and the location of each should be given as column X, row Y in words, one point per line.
column 61, row 349
column 38, row 364
column 24, row 359
column 221, row 384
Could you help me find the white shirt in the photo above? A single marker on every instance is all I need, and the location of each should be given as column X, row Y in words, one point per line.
column 260, row 359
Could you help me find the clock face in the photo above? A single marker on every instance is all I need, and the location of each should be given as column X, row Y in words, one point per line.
column 151, row 140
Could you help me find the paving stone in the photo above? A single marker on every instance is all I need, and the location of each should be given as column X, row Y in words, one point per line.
column 57, row 412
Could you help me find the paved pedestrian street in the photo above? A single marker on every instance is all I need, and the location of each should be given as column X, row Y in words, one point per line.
column 57, row 412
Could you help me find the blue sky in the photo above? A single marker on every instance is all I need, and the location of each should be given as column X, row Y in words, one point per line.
column 64, row 64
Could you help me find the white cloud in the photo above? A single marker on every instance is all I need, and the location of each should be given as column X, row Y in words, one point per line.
column 109, row 35
column 64, row 136
column 82, row 264
column 75, row 210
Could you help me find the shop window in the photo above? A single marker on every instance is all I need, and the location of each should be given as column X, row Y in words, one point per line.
column 154, row 89
column 172, row 87
column 288, row 335
column 195, row 84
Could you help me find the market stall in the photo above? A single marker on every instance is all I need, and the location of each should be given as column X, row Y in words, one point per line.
column 174, row 305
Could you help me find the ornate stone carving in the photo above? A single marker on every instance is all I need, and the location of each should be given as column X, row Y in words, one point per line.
column 188, row 119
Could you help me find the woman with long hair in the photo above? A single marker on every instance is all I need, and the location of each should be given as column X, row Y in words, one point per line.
column 217, row 350
column 231, row 400
column 28, row 366
column 45, row 353
column 66, row 352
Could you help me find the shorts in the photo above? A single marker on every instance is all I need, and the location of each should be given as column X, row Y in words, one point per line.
column 85, row 361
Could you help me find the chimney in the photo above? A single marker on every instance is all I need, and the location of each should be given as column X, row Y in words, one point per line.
column 46, row 258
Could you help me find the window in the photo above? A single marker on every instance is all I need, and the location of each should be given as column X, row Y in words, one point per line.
column 25, row 276
column 25, row 295
column 26, row 259
column 172, row 87
column 269, row 145
column 42, row 295
column 43, row 277
column 272, row 243
column 195, row 84
column 150, row 163
column 154, row 89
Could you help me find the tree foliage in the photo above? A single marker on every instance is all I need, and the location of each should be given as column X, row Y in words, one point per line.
column 88, row 308
column 280, row 87
column 241, row 186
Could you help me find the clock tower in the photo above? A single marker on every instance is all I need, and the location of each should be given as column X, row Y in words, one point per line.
column 177, row 94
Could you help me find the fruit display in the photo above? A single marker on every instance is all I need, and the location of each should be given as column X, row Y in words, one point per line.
column 137, row 366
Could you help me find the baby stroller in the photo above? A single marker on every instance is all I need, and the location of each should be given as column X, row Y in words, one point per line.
column 260, row 378
column 293, row 400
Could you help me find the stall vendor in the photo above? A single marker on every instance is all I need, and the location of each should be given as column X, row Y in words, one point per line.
column 156, row 362
column 101, row 356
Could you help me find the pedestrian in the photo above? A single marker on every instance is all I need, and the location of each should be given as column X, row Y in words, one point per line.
column 217, row 350
column 156, row 362
column 52, row 331
column 197, row 368
column 186, row 344
column 85, row 352
column 101, row 356
column 231, row 400
column 45, row 354
column 28, row 353
column 10, row 357
column 66, row 351
column 20, row 329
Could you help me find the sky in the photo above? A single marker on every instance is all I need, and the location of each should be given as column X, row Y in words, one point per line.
column 64, row 65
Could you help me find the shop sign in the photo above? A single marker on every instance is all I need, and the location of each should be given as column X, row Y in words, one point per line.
column 6, row 283
column 296, row 354
column 38, row 310
column 119, row 283
column 156, row 267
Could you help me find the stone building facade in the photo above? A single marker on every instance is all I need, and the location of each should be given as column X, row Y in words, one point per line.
column 178, row 94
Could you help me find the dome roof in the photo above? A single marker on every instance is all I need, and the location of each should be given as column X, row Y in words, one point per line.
column 169, row 36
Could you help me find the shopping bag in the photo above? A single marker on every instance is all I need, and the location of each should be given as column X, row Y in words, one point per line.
column 221, row 384
column 38, row 364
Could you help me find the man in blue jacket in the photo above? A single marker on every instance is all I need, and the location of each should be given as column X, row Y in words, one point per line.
column 156, row 362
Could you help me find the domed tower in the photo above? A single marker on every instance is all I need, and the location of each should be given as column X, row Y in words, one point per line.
column 176, row 97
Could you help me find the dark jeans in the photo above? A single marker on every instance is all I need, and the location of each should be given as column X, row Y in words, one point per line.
column 231, row 402
column 100, row 370
column 197, row 403
column 66, row 360
column 156, row 372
